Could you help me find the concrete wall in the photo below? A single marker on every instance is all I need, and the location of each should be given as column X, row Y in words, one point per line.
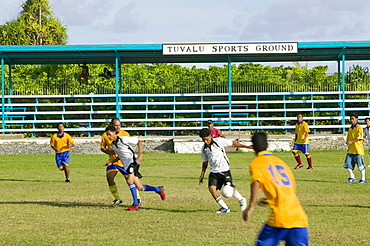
column 178, row 144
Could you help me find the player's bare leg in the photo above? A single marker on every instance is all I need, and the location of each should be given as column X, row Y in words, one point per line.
column 66, row 171
column 224, row 208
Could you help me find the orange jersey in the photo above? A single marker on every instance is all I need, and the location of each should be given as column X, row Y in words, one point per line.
column 278, row 184
column 356, row 148
column 300, row 131
column 61, row 142
column 106, row 143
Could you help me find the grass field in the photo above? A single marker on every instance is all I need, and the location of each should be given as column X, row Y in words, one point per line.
column 38, row 208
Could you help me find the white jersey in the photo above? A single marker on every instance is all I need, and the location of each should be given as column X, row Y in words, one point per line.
column 367, row 134
column 216, row 155
column 124, row 150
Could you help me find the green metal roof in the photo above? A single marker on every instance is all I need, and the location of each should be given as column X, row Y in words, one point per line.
column 152, row 53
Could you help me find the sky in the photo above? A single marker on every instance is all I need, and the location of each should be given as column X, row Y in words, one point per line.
column 207, row 21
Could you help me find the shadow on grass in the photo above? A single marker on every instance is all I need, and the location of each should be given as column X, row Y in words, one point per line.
column 23, row 180
column 318, row 181
column 339, row 206
column 75, row 204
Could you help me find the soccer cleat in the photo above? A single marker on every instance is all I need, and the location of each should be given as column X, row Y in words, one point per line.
column 309, row 168
column 243, row 204
column 362, row 181
column 350, row 180
column 161, row 193
column 368, row 166
column 134, row 207
column 223, row 210
column 298, row 166
column 116, row 202
column 68, row 181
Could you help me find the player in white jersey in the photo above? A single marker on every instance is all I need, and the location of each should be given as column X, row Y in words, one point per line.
column 213, row 152
column 122, row 147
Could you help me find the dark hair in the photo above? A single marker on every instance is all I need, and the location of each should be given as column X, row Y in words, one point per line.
column 259, row 141
column 354, row 115
column 367, row 118
column 205, row 132
column 110, row 128
column 60, row 123
column 114, row 119
column 299, row 114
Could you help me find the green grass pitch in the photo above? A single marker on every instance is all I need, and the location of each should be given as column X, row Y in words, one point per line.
column 38, row 208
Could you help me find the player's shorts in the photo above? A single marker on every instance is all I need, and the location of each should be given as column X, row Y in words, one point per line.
column 219, row 179
column 304, row 148
column 352, row 160
column 271, row 236
column 132, row 168
column 62, row 158
column 113, row 167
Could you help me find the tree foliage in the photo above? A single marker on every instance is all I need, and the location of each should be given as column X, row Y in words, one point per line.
column 35, row 25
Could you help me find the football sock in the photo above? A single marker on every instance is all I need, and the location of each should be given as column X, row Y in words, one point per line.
column 151, row 188
column 114, row 190
column 351, row 174
column 237, row 195
column 138, row 194
column 363, row 175
column 309, row 161
column 221, row 203
column 298, row 159
column 134, row 193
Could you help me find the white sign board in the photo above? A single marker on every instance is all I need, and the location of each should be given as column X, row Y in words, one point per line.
column 236, row 48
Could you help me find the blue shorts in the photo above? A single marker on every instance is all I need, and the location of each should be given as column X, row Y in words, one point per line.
column 62, row 158
column 352, row 160
column 271, row 236
column 112, row 168
column 133, row 168
column 304, row 148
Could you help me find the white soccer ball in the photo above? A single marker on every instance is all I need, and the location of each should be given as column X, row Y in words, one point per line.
column 227, row 191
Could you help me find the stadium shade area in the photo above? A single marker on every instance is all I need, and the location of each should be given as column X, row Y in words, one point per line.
column 154, row 53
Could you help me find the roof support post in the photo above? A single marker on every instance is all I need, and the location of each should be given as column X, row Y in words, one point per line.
column 10, row 82
column 343, row 92
column 117, row 88
column 230, row 88
column 2, row 93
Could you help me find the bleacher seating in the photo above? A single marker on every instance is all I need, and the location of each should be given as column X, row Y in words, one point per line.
column 181, row 112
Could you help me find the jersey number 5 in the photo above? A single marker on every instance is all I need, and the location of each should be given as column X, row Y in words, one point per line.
column 279, row 175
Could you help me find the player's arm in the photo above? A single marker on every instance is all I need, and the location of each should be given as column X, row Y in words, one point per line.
column 111, row 162
column 305, row 137
column 106, row 151
column 52, row 143
column 353, row 141
column 55, row 149
column 252, row 201
column 239, row 145
column 221, row 134
column 204, row 168
column 140, row 151
column 71, row 144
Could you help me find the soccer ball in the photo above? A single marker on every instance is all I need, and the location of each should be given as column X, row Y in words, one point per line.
column 227, row 191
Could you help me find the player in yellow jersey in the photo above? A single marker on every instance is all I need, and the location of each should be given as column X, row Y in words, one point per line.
column 301, row 142
column 62, row 143
column 287, row 221
column 355, row 153
column 112, row 170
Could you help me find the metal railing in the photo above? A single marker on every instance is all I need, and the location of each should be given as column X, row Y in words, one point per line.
column 184, row 84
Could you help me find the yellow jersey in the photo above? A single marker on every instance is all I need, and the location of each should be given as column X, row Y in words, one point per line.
column 300, row 131
column 106, row 143
column 355, row 132
column 61, row 142
column 278, row 184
